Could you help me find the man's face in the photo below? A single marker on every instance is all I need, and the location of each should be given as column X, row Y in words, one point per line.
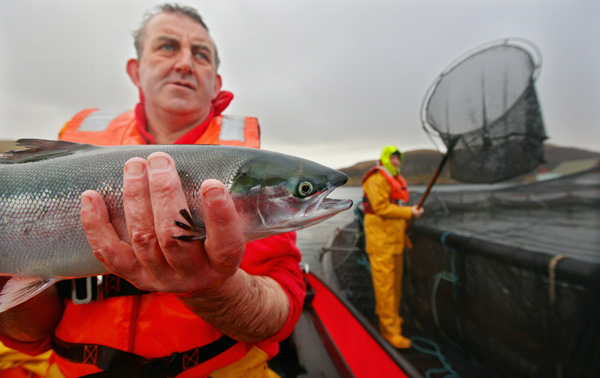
column 395, row 160
column 177, row 70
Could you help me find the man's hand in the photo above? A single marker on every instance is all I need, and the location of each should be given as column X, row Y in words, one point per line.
column 417, row 211
column 205, row 274
column 153, row 260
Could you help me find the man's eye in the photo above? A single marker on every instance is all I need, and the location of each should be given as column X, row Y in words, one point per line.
column 202, row 54
column 167, row 47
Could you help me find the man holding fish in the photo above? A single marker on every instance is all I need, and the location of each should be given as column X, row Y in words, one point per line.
column 188, row 297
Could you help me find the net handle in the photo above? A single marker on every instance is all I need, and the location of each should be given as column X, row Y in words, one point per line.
column 433, row 179
column 431, row 183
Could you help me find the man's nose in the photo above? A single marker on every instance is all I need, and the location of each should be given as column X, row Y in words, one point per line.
column 184, row 63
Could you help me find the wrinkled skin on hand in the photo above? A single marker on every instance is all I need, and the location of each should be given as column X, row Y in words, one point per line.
column 154, row 260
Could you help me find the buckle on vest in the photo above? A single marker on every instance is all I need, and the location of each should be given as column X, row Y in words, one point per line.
column 87, row 290
column 93, row 289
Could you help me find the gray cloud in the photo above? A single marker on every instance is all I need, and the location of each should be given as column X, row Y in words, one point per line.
column 331, row 81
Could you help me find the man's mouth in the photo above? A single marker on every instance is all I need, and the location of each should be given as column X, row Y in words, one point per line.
column 183, row 84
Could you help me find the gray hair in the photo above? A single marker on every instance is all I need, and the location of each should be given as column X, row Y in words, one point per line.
column 139, row 34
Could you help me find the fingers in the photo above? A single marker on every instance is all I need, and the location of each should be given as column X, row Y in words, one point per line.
column 152, row 198
column 417, row 211
column 138, row 216
column 106, row 244
column 168, row 197
column 225, row 244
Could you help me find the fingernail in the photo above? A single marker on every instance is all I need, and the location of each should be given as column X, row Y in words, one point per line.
column 213, row 194
column 86, row 203
column 135, row 168
column 158, row 163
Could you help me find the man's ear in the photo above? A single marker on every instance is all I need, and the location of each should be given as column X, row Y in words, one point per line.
column 133, row 70
column 218, row 85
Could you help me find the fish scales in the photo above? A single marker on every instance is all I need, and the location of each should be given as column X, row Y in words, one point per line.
column 43, row 215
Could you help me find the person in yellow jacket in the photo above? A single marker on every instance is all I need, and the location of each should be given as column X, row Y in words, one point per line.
column 386, row 214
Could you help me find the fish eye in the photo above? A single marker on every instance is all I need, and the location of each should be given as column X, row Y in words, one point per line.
column 305, row 188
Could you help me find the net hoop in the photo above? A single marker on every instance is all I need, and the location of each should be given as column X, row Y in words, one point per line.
column 523, row 44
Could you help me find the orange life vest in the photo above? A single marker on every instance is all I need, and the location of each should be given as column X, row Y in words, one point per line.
column 135, row 323
column 104, row 128
column 399, row 193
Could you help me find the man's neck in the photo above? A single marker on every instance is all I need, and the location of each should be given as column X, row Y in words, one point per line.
column 167, row 128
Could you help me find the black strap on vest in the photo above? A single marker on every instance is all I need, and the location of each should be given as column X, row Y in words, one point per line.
column 120, row 364
column 92, row 289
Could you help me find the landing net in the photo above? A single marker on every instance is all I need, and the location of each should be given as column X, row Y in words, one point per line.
column 486, row 111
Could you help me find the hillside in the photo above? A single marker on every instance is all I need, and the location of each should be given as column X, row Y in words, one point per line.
column 556, row 155
column 6, row 145
column 417, row 168
column 419, row 165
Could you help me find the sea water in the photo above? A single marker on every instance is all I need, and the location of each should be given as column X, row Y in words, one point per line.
column 574, row 232
column 312, row 240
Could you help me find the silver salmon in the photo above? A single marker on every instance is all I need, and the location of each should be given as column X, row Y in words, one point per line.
column 41, row 237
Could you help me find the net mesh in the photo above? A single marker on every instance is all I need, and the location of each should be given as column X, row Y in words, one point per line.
column 486, row 111
column 524, row 265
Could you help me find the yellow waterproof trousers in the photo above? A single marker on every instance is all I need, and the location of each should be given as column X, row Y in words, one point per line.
column 386, row 271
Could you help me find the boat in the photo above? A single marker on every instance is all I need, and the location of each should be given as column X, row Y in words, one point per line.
column 332, row 339
column 500, row 282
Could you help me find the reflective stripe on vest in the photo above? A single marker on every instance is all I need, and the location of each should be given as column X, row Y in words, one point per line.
column 106, row 127
column 232, row 127
column 99, row 120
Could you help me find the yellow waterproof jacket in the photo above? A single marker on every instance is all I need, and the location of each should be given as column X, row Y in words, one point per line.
column 385, row 229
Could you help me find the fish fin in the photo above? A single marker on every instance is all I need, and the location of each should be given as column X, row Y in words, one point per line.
column 20, row 289
column 40, row 149
column 198, row 231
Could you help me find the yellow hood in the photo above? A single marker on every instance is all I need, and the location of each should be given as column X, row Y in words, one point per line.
column 385, row 159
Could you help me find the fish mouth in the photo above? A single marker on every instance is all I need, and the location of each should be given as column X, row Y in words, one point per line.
column 319, row 208
column 327, row 208
column 306, row 212
column 320, row 203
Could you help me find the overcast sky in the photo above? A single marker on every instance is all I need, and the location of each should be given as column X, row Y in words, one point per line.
column 331, row 81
